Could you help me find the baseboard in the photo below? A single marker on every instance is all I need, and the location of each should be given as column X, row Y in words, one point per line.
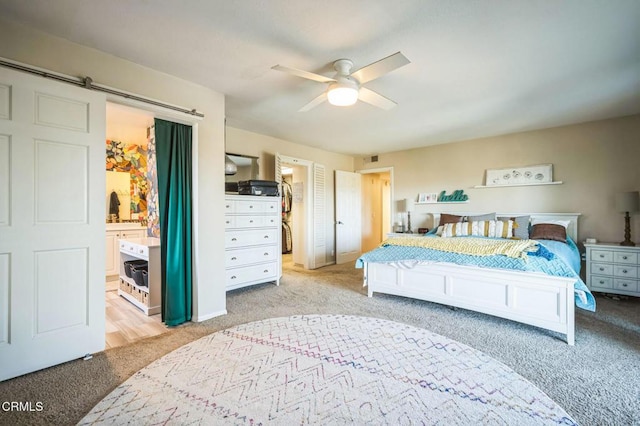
column 209, row 316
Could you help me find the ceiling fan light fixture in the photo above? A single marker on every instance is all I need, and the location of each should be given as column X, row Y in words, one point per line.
column 342, row 94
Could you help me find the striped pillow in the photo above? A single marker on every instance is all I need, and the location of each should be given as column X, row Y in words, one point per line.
column 482, row 228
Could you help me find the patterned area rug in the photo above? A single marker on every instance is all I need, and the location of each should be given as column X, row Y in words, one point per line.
column 326, row 369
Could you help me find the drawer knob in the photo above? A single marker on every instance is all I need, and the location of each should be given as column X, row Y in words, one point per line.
column 624, row 284
column 601, row 268
column 266, row 236
column 141, row 251
column 234, row 239
column 233, row 277
column 602, row 255
column 251, row 221
column 624, row 271
column 228, row 222
column 624, row 257
column 233, row 258
column 228, row 206
column 250, row 207
column 266, row 270
column 266, row 254
column 601, row 282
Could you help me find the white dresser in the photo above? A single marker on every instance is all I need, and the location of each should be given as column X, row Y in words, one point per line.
column 612, row 268
column 253, row 231
column 115, row 232
column 147, row 298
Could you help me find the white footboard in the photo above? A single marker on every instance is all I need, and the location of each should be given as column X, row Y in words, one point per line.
column 530, row 298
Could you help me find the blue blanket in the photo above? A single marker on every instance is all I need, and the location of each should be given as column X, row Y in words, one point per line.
column 552, row 258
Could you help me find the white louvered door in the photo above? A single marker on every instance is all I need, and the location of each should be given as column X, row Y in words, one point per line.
column 319, row 256
column 52, row 226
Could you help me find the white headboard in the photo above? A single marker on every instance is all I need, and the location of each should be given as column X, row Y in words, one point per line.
column 572, row 228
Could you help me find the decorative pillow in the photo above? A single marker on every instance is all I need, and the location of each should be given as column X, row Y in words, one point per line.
column 520, row 227
column 563, row 223
column 482, row 228
column 488, row 216
column 549, row 231
column 450, row 218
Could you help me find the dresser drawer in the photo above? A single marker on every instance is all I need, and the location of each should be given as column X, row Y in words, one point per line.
column 229, row 222
column 625, row 285
column 625, row 257
column 251, row 221
column 602, row 268
column 133, row 249
column 602, row 255
column 243, row 238
column 263, row 272
column 229, row 206
column 625, row 271
column 600, row 282
column 252, row 255
column 249, row 206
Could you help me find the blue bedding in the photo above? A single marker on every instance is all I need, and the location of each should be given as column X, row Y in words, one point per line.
column 552, row 258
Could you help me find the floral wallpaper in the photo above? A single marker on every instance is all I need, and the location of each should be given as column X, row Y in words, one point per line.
column 153, row 219
column 122, row 157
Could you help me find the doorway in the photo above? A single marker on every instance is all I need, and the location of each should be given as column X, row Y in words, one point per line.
column 377, row 208
column 308, row 210
column 128, row 131
column 294, row 213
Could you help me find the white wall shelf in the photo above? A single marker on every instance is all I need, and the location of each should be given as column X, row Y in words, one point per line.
column 558, row 182
column 443, row 202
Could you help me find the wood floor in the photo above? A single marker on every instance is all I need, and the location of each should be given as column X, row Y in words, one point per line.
column 125, row 323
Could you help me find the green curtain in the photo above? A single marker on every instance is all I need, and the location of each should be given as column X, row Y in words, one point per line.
column 174, row 165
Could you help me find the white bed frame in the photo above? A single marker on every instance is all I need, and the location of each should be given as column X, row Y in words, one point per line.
column 531, row 298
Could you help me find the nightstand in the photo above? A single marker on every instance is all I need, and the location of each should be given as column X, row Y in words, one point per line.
column 612, row 268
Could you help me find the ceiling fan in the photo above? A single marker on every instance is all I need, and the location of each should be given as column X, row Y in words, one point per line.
column 346, row 88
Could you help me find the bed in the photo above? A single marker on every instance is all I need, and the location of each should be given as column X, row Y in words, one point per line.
column 531, row 294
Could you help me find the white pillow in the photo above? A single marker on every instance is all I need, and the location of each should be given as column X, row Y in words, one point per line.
column 563, row 223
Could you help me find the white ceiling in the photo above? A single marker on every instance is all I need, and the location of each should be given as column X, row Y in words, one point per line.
column 479, row 68
column 127, row 124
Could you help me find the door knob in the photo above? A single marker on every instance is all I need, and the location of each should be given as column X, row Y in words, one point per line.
column 340, row 222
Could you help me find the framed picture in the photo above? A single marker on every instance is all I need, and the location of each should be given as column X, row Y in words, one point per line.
column 540, row 173
column 428, row 198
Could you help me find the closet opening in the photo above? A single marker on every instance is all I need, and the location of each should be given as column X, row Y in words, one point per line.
column 294, row 226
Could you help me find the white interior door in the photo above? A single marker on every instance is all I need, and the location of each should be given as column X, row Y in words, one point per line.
column 52, row 224
column 348, row 216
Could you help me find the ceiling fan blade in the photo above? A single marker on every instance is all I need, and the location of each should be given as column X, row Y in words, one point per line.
column 304, row 74
column 375, row 99
column 314, row 103
column 378, row 69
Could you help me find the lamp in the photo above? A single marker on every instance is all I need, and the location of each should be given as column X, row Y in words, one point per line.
column 408, row 206
column 343, row 92
column 627, row 202
column 230, row 168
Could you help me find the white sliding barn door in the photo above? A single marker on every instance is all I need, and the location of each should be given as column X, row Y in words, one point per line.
column 348, row 216
column 52, row 222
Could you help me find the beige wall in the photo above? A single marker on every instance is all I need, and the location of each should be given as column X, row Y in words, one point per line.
column 265, row 147
column 594, row 160
column 35, row 48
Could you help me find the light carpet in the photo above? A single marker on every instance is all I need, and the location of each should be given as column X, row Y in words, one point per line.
column 326, row 369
